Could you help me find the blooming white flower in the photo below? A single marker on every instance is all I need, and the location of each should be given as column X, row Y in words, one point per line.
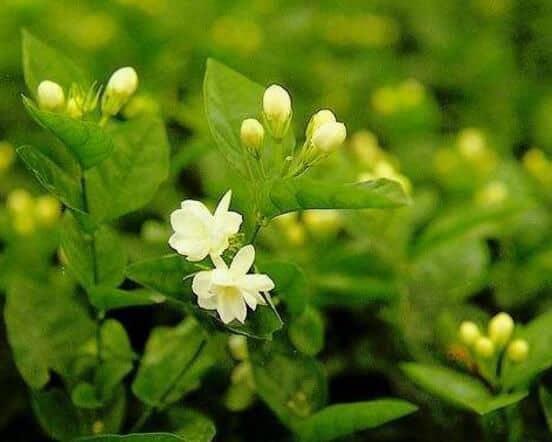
column 277, row 109
column 229, row 290
column 329, row 136
column 50, row 95
column 199, row 233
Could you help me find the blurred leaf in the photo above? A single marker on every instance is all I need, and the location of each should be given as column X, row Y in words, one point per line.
column 289, row 195
column 546, row 403
column 230, row 98
column 89, row 142
column 458, row 388
column 342, row 420
column 191, row 425
column 41, row 62
column 337, row 289
column 290, row 282
column 96, row 258
column 142, row 437
column 130, row 177
column 538, row 334
column 62, row 421
column 306, row 331
column 107, row 298
column 293, row 385
column 46, row 330
column 52, row 177
column 174, row 360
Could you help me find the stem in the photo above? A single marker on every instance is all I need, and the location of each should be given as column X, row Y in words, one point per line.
column 144, row 417
column 255, row 232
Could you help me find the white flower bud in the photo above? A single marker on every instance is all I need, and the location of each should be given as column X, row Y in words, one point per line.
column 123, row 82
column 469, row 332
column 50, row 96
column 252, row 135
column 329, row 136
column 484, row 347
column 501, row 328
column 277, row 110
column 518, row 350
column 318, row 119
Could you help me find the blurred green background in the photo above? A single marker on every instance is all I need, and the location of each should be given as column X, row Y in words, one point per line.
column 453, row 97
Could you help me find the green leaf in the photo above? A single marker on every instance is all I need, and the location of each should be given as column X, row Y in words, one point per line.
column 293, row 385
column 290, row 282
column 52, row 177
column 62, row 421
column 338, row 289
column 46, row 330
column 546, row 403
column 260, row 324
column 108, row 298
column 142, row 437
column 307, row 332
column 538, row 334
column 289, row 195
column 229, row 99
column 458, row 388
column 41, row 62
column 192, row 425
column 115, row 341
column 343, row 419
column 96, row 258
column 89, row 142
column 174, row 360
column 129, row 178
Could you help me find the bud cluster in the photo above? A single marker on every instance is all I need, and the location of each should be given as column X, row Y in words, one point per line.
column 27, row 212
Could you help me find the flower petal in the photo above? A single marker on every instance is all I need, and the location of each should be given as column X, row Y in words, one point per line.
column 228, row 222
column 222, row 277
column 201, row 284
column 195, row 249
column 243, row 260
column 225, row 307
column 224, row 204
column 198, row 209
column 257, row 283
column 208, row 303
column 253, row 299
column 188, row 223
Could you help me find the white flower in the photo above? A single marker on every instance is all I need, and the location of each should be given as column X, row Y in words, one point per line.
column 50, row 95
column 277, row 110
column 199, row 233
column 229, row 289
column 123, row 82
column 329, row 136
column 252, row 134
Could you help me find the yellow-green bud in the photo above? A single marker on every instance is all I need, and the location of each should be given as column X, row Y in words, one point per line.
column 322, row 222
column 318, row 119
column 19, row 201
column 329, row 136
column 7, row 155
column 252, row 135
column 47, row 210
column 277, row 110
column 73, row 109
column 238, row 347
column 518, row 350
column 501, row 328
column 469, row 332
column 484, row 347
column 50, row 96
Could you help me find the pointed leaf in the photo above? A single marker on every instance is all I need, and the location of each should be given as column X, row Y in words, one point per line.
column 108, row 298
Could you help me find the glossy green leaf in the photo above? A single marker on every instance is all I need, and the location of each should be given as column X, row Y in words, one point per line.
column 538, row 334
column 174, row 360
column 90, row 143
column 191, row 425
column 306, row 331
column 142, row 437
column 290, row 282
column 458, row 388
column 129, row 178
column 338, row 289
column 289, row 195
column 52, row 177
column 96, row 258
column 344, row 419
column 293, row 385
column 108, row 298
column 546, row 404
column 42, row 62
column 46, row 330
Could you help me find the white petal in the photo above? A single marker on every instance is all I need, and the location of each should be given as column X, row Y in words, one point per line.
column 225, row 308
column 195, row 249
column 208, row 303
column 201, row 284
column 228, row 222
column 198, row 209
column 243, row 260
column 257, row 283
column 223, row 204
column 222, row 277
column 253, row 299
column 188, row 223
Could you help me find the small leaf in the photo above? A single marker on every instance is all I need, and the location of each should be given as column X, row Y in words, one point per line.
column 307, row 332
column 192, row 425
column 108, row 298
column 174, row 360
column 129, row 178
column 458, row 388
column 289, row 195
column 52, row 177
column 344, row 419
column 89, row 142
column 42, row 62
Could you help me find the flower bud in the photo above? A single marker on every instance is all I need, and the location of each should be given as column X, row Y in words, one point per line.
column 318, row 119
column 19, row 202
column 329, row 136
column 121, row 86
column 469, row 332
column 50, row 96
column 252, row 135
column 73, row 109
column 518, row 350
column 277, row 110
column 238, row 347
column 484, row 347
column 7, row 155
column 501, row 328
column 47, row 210
column 323, row 222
